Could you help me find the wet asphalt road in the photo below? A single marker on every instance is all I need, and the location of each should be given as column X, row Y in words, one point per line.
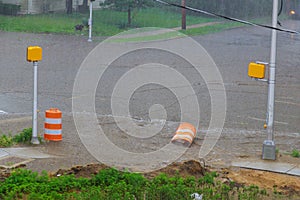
column 232, row 50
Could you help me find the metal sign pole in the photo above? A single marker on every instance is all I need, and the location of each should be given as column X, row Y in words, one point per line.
column 183, row 17
column 269, row 150
column 34, row 54
column 90, row 21
column 34, row 139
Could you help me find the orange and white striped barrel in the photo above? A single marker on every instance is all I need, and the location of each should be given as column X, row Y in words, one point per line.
column 185, row 134
column 53, row 125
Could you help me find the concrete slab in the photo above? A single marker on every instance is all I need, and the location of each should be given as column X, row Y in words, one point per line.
column 271, row 166
column 11, row 162
column 3, row 153
column 268, row 166
column 240, row 163
column 294, row 171
column 26, row 152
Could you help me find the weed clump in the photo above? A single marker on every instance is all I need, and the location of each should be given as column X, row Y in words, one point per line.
column 24, row 137
column 295, row 153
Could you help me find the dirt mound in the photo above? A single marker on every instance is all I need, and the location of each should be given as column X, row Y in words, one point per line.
column 82, row 171
column 184, row 169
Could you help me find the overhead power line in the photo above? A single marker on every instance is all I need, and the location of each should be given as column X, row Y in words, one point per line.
column 228, row 18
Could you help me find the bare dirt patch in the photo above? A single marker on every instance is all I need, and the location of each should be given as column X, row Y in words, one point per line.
column 285, row 184
column 184, row 169
column 82, row 171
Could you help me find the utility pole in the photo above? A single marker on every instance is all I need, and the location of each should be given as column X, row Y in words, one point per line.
column 91, row 21
column 269, row 150
column 69, row 6
column 183, row 17
column 29, row 7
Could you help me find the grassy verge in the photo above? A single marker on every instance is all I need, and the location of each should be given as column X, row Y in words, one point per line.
column 153, row 17
column 212, row 28
column 113, row 184
column 223, row 25
column 105, row 22
column 38, row 23
column 109, row 22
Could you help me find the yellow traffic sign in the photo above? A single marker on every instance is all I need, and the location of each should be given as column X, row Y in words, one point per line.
column 256, row 70
column 34, row 54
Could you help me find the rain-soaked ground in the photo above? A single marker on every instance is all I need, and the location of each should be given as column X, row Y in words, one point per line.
column 231, row 50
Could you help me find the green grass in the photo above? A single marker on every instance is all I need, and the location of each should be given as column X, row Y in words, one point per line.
column 113, row 184
column 212, row 28
column 220, row 26
column 154, row 37
column 105, row 22
column 6, row 140
column 153, row 17
column 52, row 23
column 38, row 23
column 109, row 22
column 295, row 153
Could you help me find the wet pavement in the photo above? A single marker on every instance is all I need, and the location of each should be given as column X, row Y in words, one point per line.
column 28, row 152
column 232, row 50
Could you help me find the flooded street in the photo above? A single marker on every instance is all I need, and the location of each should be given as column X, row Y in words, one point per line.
column 231, row 50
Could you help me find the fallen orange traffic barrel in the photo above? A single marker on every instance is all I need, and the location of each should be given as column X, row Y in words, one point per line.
column 53, row 125
column 185, row 134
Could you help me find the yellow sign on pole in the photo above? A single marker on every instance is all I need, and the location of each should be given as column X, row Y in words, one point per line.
column 34, row 54
column 256, row 70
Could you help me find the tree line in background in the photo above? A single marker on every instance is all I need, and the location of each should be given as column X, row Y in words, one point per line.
column 126, row 5
column 242, row 8
column 82, row 8
column 234, row 8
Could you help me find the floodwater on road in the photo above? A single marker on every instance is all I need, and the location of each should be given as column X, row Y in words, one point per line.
column 231, row 50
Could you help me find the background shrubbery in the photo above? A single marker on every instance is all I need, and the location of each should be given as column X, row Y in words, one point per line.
column 9, row 9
